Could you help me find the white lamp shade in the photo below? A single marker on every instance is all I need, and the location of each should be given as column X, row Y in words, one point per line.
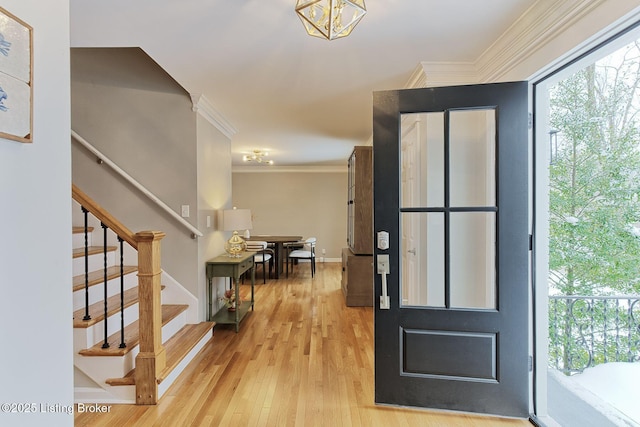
column 236, row 219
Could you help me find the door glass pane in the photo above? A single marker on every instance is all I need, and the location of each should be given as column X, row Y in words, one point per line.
column 422, row 160
column 473, row 259
column 422, row 258
column 472, row 136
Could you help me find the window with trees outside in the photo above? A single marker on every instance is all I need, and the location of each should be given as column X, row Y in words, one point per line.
column 592, row 199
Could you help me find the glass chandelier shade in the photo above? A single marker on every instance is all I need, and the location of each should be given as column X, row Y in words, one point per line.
column 234, row 220
column 257, row 156
column 330, row 19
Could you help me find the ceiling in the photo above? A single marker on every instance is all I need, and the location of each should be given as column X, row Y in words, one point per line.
column 306, row 100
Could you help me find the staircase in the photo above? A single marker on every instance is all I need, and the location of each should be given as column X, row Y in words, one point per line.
column 107, row 374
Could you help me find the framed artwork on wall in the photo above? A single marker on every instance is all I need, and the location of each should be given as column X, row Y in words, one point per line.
column 16, row 78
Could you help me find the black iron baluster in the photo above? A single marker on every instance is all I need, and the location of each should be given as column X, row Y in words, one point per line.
column 86, row 265
column 593, row 339
column 122, row 343
column 617, row 330
column 555, row 331
column 634, row 329
column 604, row 332
column 106, row 312
column 569, row 356
column 629, row 331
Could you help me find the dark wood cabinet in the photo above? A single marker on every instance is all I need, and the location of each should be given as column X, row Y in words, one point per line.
column 360, row 201
column 357, row 259
column 357, row 279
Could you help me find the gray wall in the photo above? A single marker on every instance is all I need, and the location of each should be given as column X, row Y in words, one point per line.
column 214, row 194
column 297, row 203
column 140, row 118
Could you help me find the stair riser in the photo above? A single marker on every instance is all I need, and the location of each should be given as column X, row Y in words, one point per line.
column 88, row 337
column 96, row 262
column 126, row 394
column 164, row 385
column 174, row 326
column 96, row 292
column 101, row 368
column 78, row 240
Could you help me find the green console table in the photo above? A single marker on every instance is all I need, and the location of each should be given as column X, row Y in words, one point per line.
column 225, row 266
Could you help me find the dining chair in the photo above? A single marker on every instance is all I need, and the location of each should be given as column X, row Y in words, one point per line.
column 262, row 256
column 308, row 251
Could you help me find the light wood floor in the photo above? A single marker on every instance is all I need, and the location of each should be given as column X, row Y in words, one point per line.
column 302, row 358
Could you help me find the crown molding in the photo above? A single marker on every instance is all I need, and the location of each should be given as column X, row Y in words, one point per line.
column 203, row 107
column 448, row 73
column 542, row 22
column 290, row 169
column 418, row 79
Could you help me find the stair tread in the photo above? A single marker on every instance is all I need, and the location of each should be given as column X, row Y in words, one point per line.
column 96, row 310
column 97, row 277
column 131, row 334
column 79, row 229
column 177, row 347
column 92, row 250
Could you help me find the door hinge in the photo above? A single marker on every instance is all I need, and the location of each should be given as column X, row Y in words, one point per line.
column 530, row 121
column 530, row 242
column 530, row 363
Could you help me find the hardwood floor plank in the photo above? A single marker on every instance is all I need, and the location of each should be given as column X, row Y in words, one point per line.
column 302, row 358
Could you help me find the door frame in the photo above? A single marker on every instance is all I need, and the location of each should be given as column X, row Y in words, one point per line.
column 539, row 189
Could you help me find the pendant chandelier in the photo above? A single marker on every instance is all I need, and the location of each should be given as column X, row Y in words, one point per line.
column 258, row 156
column 330, row 19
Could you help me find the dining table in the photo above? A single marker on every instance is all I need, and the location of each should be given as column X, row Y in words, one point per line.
column 278, row 242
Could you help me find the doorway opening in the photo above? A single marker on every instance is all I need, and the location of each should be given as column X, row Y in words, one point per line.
column 587, row 258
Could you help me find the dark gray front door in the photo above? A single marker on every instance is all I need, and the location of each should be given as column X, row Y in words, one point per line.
column 451, row 189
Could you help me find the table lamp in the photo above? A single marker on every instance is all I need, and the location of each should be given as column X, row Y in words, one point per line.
column 234, row 220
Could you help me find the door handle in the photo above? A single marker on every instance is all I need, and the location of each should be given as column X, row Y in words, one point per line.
column 383, row 270
column 412, row 251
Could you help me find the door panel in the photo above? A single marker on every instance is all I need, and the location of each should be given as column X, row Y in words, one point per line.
column 478, row 362
column 450, row 187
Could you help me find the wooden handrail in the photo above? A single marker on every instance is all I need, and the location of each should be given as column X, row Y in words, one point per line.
column 104, row 216
column 194, row 231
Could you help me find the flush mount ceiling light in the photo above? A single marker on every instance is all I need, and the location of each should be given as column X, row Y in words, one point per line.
column 258, row 157
column 330, row 19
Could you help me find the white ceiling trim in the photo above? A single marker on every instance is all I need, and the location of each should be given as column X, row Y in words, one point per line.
column 418, row 78
column 448, row 73
column 203, row 107
column 544, row 21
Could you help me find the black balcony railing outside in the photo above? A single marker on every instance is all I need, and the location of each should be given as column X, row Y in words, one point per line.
column 585, row 331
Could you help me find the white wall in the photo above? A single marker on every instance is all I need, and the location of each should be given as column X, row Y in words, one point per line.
column 36, row 364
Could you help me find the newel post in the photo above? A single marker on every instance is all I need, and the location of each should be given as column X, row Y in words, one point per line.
column 152, row 358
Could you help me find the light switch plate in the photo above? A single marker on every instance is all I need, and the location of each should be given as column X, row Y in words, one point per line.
column 185, row 211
